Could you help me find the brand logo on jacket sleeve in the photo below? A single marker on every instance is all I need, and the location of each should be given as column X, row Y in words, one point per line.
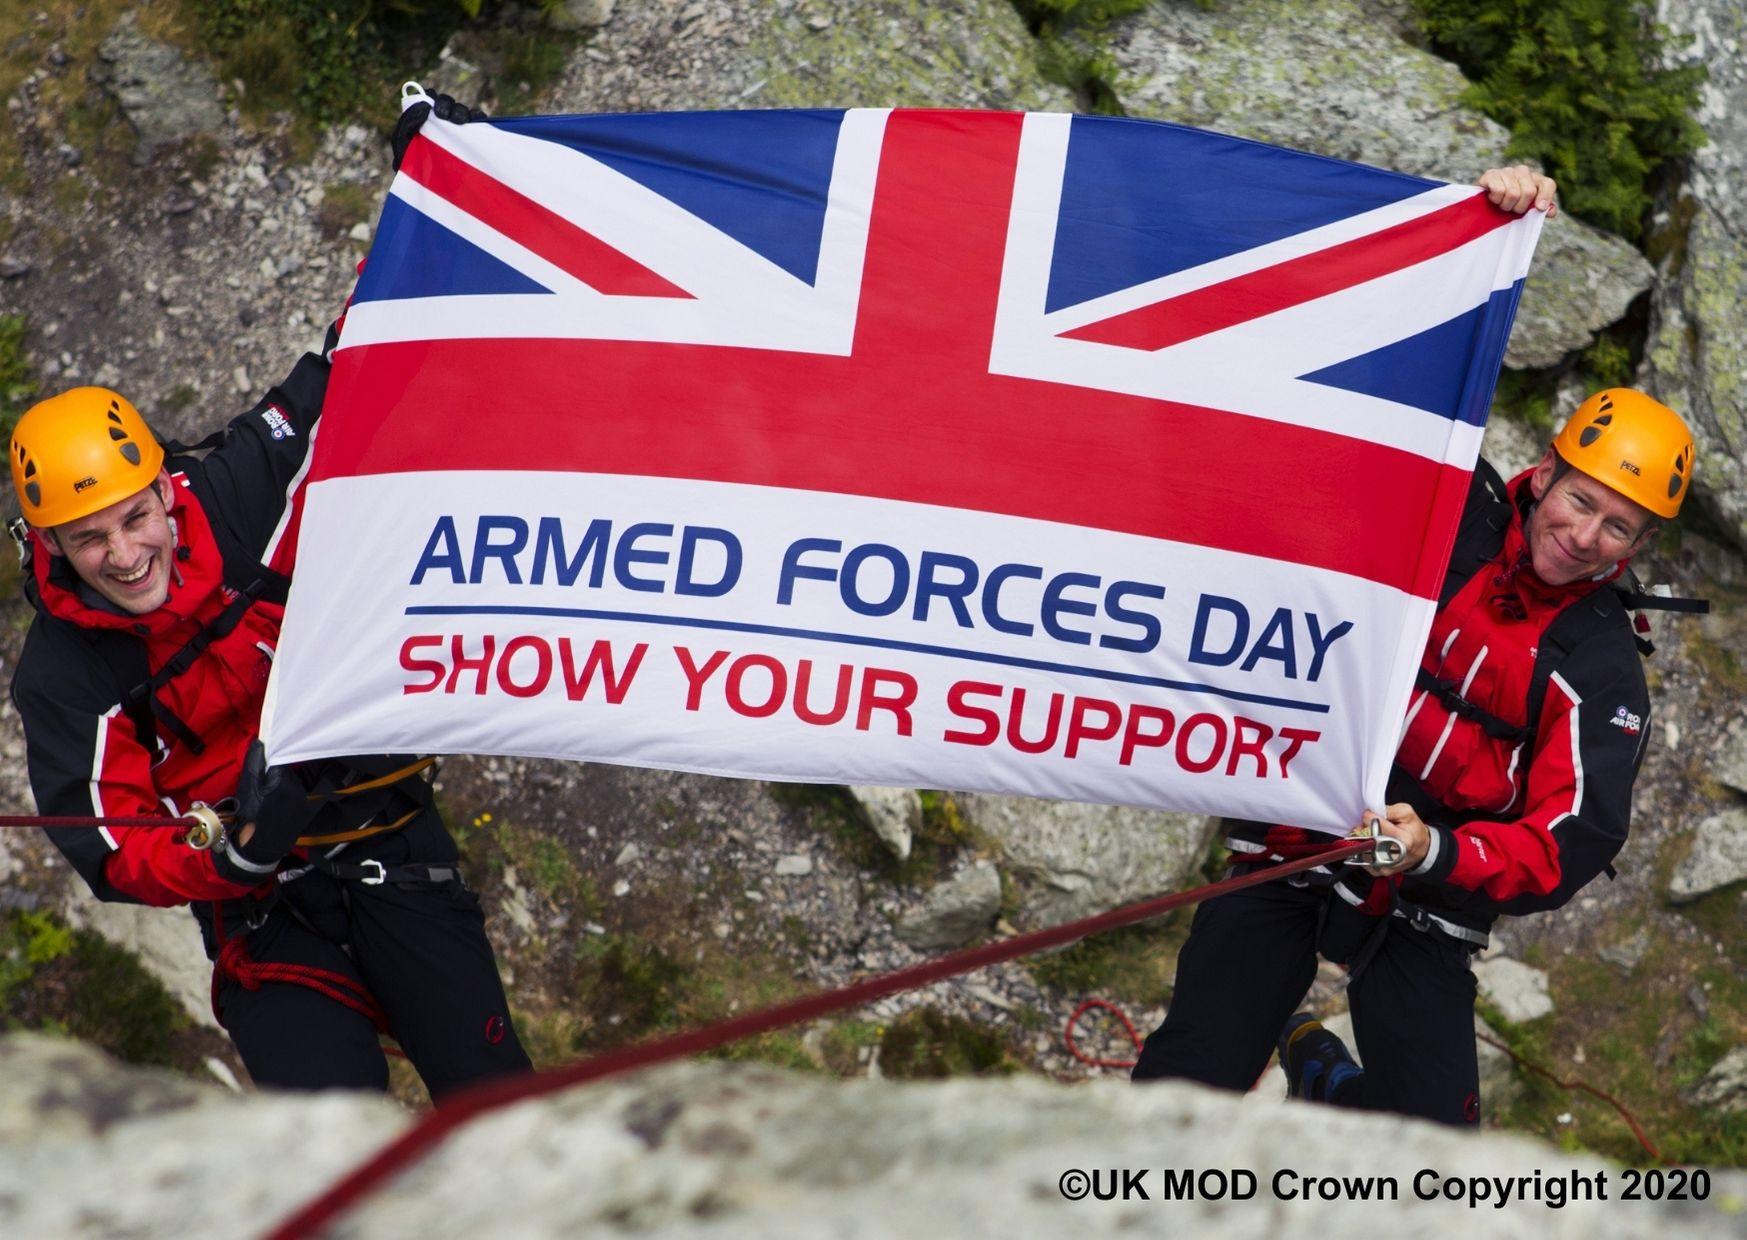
column 1626, row 721
column 277, row 423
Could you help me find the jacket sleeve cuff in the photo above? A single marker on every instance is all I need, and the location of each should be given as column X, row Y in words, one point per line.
column 233, row 867
column 1440, row 858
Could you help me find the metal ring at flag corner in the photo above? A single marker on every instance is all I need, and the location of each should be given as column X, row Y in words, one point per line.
column 412, row 93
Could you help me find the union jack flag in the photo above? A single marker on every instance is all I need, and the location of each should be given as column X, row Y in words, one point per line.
column 1152, row 341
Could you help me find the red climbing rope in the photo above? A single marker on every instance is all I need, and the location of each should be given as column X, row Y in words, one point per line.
column 42, row 820
column 235, row 963
column 430, row 1130
column 1077, row 1053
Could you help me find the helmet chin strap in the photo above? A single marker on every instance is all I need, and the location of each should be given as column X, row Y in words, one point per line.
column 175, row 542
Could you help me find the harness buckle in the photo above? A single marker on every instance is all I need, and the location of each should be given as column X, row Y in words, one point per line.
column 20, row 531
column 376, row 879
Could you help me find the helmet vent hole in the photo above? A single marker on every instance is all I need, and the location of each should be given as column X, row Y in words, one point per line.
column 114, row 416
column 117, row 434
column 30, row 469
column 1590, row 435
column 1606, row 419
column 1674, row 485
column 131, row 453
column 34, row 492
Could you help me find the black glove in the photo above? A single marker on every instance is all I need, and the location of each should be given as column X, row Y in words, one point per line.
column 446, row 109
column 274, row 801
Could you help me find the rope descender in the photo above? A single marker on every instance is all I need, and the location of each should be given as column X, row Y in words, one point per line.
column 1386, row 850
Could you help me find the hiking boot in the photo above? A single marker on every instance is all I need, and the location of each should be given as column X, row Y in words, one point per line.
column 1315, row 1061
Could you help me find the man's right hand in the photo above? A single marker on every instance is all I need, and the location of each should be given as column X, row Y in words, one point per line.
column 447, row 109
column 272, row 811
column 1520, row 187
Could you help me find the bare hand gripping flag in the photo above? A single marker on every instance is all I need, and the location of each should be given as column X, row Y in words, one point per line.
column 1075, row 456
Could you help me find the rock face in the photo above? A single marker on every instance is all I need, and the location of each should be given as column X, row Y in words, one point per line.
column 1335, row 77
column 893, row 813
column 1696, row 359
column 1072, row 860
column 1729, row 762
column 165, row 96
column 1725, row 1085
column 1718, row 856
column 88, row 1149
column 954, row 912
column 1511, row 446
column 1516, row 990
column 825, row 53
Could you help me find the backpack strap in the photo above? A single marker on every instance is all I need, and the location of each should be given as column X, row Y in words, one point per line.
column 1485, row 518
column 1584, row 619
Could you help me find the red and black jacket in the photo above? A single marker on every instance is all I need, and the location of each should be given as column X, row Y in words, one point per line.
column 1524, row 812
column 92, row 752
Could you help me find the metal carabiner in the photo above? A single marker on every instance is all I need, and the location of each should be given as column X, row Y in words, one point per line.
column 1386, row 850
column 208, row 829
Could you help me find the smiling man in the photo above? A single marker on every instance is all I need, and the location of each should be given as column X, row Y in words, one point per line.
column 1511, row 790
column 333, row 908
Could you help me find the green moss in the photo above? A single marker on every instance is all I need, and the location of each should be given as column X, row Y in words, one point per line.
column 71, row 106
column 1073, row 47
column 523, row 63
column 1645, row 1044
column 181, row 396
column 929, row 1044
column 1529, row 396
column 844, row 1043
column 345, row 205
column 78, row 984
column 18, row 384
column 28, row 940
column 1135, row 964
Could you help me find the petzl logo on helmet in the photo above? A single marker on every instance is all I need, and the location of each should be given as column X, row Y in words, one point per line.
column 84, row 483
column 1626, row 721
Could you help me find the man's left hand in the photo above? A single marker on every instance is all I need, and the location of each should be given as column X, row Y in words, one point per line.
column 1519, row 187
column 1399, row 822
column 446, row 109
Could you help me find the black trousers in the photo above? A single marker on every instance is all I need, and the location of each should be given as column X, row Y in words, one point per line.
column 420, row 950
column 1248, row 962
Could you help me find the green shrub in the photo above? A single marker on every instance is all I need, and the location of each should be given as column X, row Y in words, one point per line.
column 1582, row 88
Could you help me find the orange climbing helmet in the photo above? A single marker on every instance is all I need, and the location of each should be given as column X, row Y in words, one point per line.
column 1638, row 446
column 79, row 452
